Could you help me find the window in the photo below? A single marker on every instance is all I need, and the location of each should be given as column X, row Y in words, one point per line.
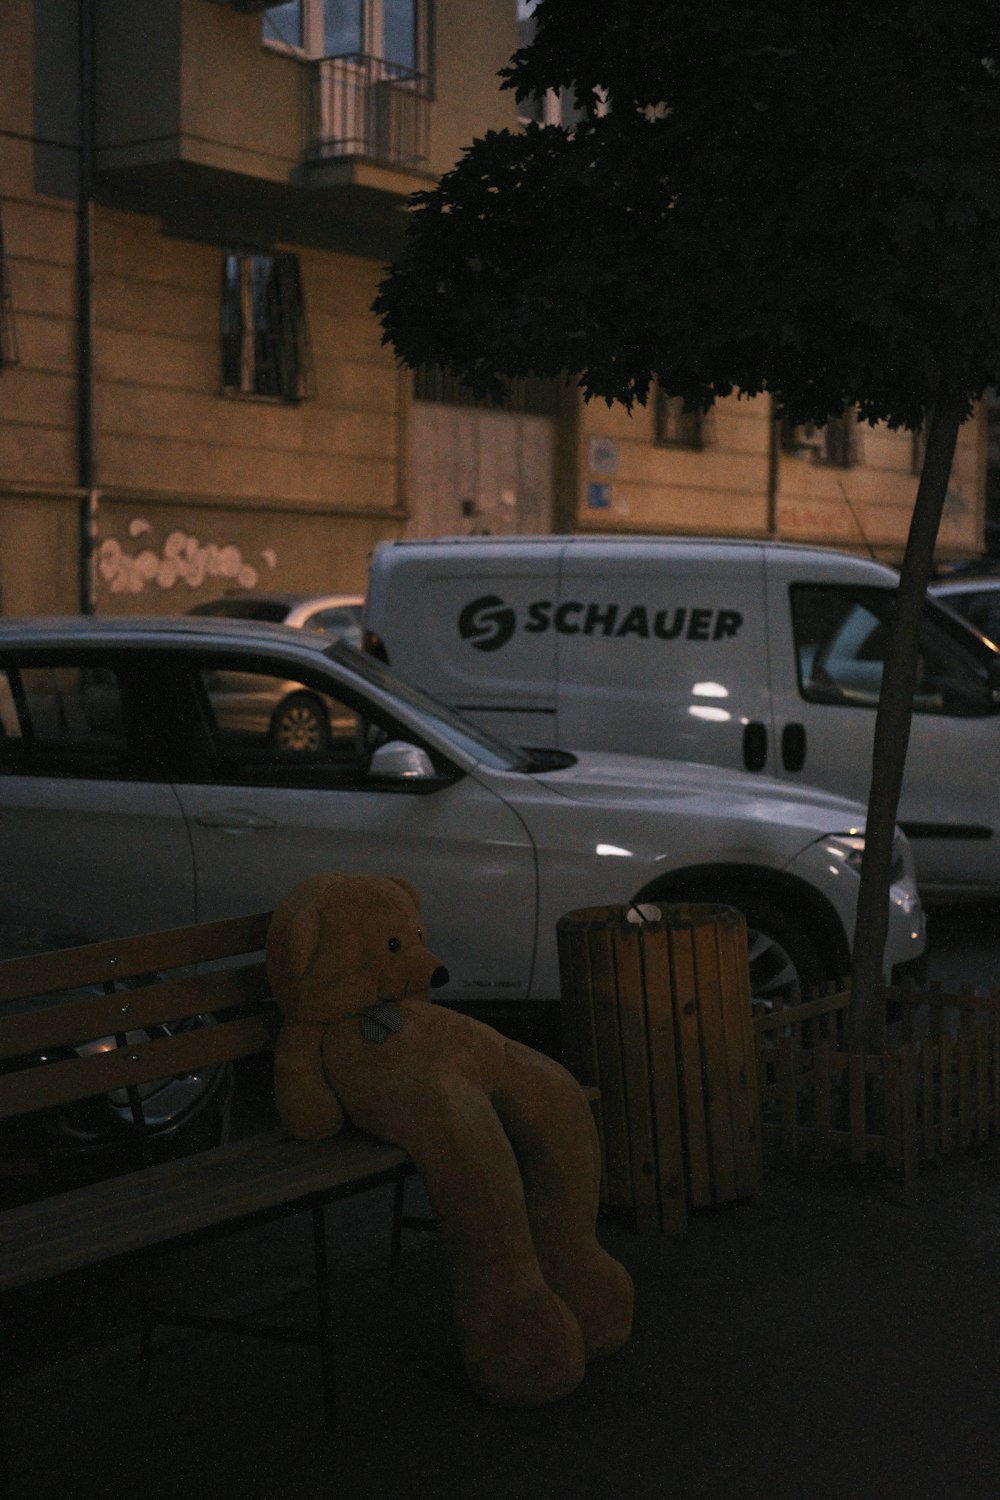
column 555, row 107
column 981, row 608
column 370, row 68
column 265, row 343
column 62, row 720
column 836, row 443
column 673, row 427
column 841, row 635
column 247, row 724
column 283, row 24
column 394, row 31
column 264, row 726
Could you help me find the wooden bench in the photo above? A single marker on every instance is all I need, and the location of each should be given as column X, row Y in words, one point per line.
column 126, row 987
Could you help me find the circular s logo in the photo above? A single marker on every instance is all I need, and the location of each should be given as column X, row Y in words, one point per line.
column 487, row 623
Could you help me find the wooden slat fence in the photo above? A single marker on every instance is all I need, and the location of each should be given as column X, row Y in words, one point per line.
column 933, row 1087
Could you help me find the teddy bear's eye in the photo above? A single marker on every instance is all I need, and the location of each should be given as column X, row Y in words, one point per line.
column 394, row 945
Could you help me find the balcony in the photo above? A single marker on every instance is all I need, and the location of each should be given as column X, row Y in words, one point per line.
column 365, row 109
column 231, row 141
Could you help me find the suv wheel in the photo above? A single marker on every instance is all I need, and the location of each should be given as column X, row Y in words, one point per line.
column 785, row 964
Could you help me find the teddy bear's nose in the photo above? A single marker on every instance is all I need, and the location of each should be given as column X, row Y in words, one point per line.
column 439, row 977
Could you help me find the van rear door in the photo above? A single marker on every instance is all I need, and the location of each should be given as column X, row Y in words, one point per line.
column 661, row 649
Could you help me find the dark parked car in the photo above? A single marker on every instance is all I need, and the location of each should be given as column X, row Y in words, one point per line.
column 336, row 615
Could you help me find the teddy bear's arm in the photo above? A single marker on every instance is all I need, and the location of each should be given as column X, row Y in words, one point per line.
column 306, row 1103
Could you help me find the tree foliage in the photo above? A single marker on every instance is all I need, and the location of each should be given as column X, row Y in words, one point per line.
column 799, row 197
column 786, row 196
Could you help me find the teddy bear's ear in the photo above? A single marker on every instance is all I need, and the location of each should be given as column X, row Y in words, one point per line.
column 405, row 885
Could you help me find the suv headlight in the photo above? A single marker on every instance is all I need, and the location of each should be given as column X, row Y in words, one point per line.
column 849, row 848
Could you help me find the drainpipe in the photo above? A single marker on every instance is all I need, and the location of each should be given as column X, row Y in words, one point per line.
column 773, row 460
column 86, row 465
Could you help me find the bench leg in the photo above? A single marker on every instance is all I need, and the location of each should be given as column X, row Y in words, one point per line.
column 145, row 1349
column 400, row 1221
column 150, row 1273
column 396, row 1241
column 324, row 1319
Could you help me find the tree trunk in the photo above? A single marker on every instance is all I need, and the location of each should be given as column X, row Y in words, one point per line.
column 892, row 724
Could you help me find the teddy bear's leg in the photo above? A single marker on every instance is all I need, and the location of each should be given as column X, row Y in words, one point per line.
column 551, row 1125
column 520, row 1343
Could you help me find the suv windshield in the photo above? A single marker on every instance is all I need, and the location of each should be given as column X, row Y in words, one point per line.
column 495, row 753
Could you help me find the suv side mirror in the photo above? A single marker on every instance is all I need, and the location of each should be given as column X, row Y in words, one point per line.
column 398, row 761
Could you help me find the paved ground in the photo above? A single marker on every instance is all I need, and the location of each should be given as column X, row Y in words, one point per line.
column 825, row 1342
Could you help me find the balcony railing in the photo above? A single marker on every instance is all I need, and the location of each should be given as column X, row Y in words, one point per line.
column 366, row 107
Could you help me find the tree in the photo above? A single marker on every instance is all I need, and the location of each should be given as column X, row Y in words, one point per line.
column 798, row 197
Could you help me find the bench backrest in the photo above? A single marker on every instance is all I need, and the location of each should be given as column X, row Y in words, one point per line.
column 118, row 988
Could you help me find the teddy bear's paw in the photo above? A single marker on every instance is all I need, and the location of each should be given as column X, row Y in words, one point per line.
column 525, row 1350
column 600, row 1294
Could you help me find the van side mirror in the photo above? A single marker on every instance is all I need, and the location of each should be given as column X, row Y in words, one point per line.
column 398, row 761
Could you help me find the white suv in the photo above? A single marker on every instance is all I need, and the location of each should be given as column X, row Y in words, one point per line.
column 130, row 803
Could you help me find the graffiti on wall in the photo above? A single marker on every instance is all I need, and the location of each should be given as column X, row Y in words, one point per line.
column 181, row 561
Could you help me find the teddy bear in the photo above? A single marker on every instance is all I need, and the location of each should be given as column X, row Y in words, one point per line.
column 502, row 1135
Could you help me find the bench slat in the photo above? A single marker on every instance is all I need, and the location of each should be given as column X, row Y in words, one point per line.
column 262, row 1176
column 63, row 1082
column 73, row 1021
column 124, row 958
column 183, row 1198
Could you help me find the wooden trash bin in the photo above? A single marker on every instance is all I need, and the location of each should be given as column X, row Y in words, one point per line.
column 657, row 1015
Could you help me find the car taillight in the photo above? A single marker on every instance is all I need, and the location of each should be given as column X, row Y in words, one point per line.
column 375, row 646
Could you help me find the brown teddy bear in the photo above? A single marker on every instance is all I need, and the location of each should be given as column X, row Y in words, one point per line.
column 502, row 1136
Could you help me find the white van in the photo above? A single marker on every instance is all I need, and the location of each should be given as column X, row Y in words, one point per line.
column 761, row 655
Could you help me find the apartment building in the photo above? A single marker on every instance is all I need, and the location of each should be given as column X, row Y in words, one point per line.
column 197, row 199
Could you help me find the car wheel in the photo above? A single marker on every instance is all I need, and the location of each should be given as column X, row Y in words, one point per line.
column 300, row 723
column 785, row 964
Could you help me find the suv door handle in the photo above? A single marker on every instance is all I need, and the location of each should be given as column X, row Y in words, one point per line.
column 755, row 745
column 793, row 747
column 234, row 819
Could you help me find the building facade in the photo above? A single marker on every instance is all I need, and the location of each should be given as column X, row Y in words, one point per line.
column 197, row 200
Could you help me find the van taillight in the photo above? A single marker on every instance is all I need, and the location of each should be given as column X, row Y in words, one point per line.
column 375, row 646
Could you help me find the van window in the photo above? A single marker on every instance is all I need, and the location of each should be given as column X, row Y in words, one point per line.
column 981, row 608
column 840, row 643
